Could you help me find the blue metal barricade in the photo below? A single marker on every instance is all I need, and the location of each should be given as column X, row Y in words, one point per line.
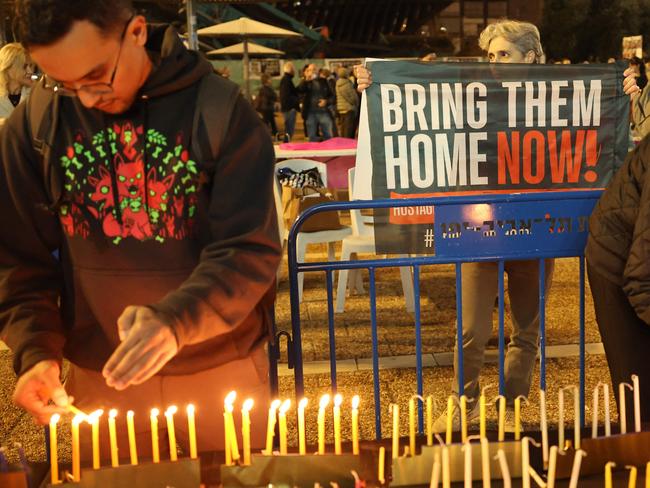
column 482, row 228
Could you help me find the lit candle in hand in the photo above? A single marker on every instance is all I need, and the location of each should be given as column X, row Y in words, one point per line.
column 338, row 399
column 94, row 423
column 355, row 425
column 282, row 416
column 112, row 438
column 54, row 454
column 270, row 426
column 171, row 432
column 246, row 430
column 133, row 448
column 191, row 427
column 324, row 401
column 155, row 447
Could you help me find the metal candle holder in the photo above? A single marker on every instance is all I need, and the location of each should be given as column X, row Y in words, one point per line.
column 293, row 470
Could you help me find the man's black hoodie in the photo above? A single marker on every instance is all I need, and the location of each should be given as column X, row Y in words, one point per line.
column 138, row 220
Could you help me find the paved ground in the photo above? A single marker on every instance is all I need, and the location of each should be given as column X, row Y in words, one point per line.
column 397, row 377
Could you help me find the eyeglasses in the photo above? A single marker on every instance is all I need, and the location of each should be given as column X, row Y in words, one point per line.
column 92, row 89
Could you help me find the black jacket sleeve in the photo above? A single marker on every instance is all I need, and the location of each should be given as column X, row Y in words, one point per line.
column 30, row 276
column 239, row 266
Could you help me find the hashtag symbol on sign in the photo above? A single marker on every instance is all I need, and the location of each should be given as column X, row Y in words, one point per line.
column 428, row 238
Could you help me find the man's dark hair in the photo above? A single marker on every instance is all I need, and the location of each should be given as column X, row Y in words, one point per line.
column 44, row 22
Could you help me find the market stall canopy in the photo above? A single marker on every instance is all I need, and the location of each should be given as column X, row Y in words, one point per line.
column 238, row 49
column 245, row 27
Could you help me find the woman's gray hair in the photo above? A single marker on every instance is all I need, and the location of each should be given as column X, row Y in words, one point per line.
column 524, row 35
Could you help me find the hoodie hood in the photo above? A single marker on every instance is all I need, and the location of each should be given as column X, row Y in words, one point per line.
column 174, row 66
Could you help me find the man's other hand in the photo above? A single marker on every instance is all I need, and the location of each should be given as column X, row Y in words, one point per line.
column 37, row 386
column 629, row 83
column 148, row 343
column 363, row 76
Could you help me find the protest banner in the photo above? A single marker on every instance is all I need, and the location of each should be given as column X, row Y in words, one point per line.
column 476, row 128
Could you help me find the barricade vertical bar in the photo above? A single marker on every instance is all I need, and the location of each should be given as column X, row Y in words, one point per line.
column 330, row 322
column 375, row 350
column 295, row 314
column 502, row 346
column 582, row 340
column 542, row 324
column 418, row 343
column 459, row 330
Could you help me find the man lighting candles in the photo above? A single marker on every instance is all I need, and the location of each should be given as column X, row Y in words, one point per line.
column 166, row 212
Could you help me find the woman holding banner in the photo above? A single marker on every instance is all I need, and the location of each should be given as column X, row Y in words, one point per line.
column 506, row 41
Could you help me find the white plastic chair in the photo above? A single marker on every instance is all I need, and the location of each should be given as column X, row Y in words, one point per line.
column 362, row 240
column 305, row 238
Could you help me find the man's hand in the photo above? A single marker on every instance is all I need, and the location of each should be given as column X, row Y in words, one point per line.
column 363, row 76
column 147, row 344
column 629, row 83
column 37, row 386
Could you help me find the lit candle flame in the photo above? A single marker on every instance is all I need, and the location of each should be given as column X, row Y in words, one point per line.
column 355, row 401
column 230, row 398
column 228, row 408
column 77, row 419
column 54, row 419
column 155, row 412
column 303, row 403
column 130, row 414
column 338, row 399
column 112, row 413
column 248, row 405
column 275, row 404
column 324, row 401
column 190, row 409
column 285, row 406
column 94, row 416
column 171, row 410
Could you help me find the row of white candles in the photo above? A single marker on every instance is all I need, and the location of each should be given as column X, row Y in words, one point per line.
column 517, row 420
column 278, row 414
column 93, row 419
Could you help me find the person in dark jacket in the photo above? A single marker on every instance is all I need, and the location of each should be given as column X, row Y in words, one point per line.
column 317, row 98
column 289, row 99
column 167, row 262
column 618, row 266
column 265, row 103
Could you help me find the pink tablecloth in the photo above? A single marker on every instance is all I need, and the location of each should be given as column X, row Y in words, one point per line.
column 337, row 166
column 330, row 144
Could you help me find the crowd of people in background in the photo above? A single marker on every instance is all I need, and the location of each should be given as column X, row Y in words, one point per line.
column 327, row 101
